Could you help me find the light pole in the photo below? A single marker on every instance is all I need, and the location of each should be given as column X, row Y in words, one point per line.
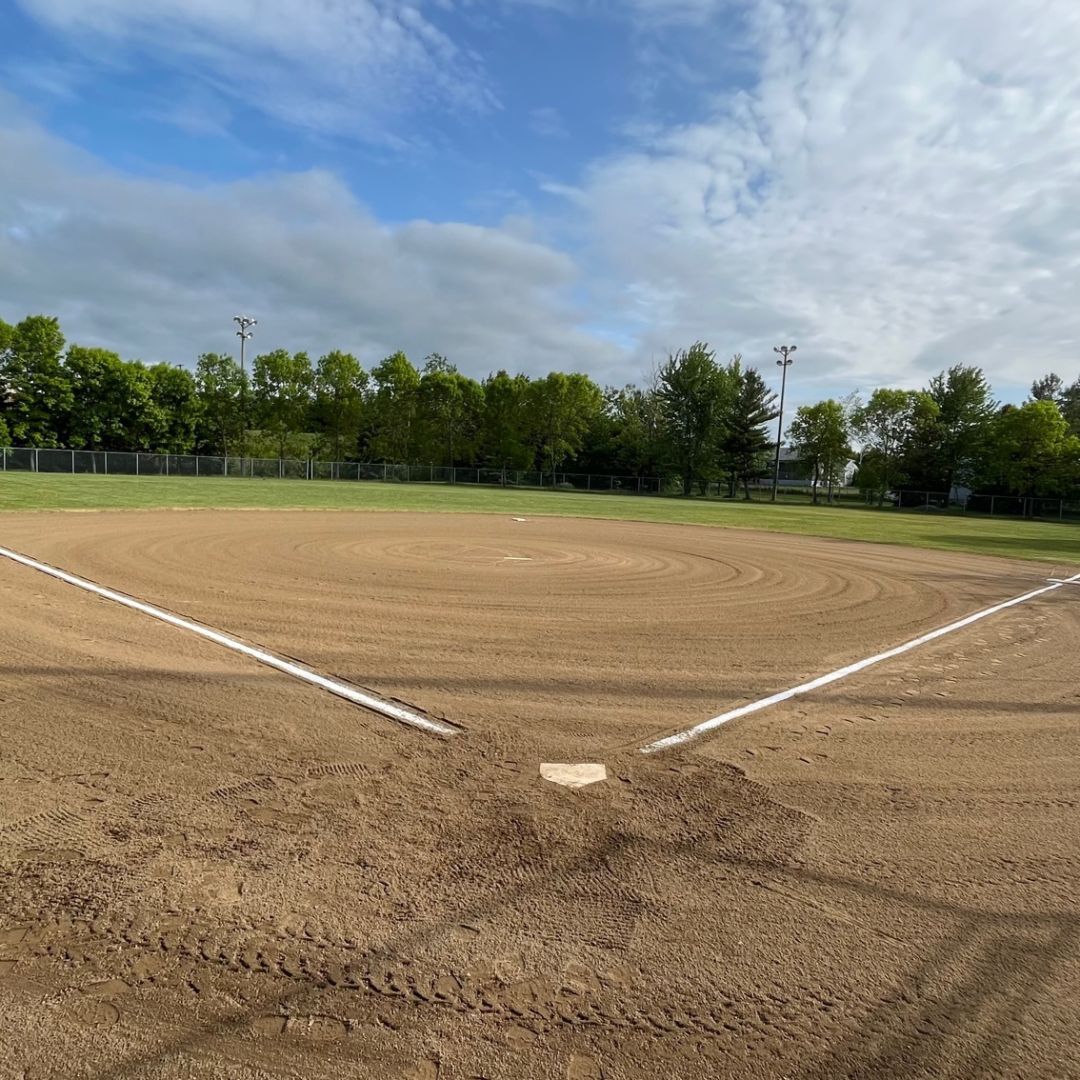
column 783, row 363
column 245, row 323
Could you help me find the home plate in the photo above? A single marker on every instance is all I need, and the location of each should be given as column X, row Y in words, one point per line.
column 574, row 776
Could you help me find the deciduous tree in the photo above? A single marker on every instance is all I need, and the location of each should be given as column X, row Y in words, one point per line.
column 281, row 387
column 821, row 436
column 113, row 401
column 340, row 385
column 886, row 425
column 451, row 409
column 36, row 388
column 394, row 409
column 174, row 409
column 505, row 428
column 222, row 390
column 693, row 394
column 1034, row 453
column 952, row 442
column 561, row 409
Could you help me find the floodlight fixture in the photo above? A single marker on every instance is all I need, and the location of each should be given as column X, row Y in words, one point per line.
column 785, row 361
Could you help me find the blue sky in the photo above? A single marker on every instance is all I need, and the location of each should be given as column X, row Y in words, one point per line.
column 539, row 184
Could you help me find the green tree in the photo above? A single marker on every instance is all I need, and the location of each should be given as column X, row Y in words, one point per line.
column 745, row 443
column 113, row 402
column 393, row 409
column 1048, row 388
column 820, row 435
column 36, row 387
column 7, row 334
column 174, row 409
column 1034, row 452
column 886, row 424
column 637, row 430
column 222, row 390
column 340, row 384
column 694, row 394
column 450, row 407
column 950, row 445
column 504, row 428
column 1067, row 398
column 1069, row 403
column 561, row 409
column 281, row 384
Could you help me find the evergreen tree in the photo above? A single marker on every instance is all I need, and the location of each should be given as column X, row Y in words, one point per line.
column 745, row 443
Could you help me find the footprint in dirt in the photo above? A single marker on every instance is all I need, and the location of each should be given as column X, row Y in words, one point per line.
column 583, row 1067
column 94, row 1006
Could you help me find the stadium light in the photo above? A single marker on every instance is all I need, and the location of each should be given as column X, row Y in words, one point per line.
column 245, row 323
column 783, row 363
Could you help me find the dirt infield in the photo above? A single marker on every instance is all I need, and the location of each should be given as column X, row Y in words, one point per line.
column 208, row 869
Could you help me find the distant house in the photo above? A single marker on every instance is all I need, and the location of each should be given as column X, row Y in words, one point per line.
column 795, row 472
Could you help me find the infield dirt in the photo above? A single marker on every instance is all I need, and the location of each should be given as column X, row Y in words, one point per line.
column 210, row 870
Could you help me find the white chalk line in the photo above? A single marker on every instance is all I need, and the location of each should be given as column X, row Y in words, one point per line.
column 334, row 686
column 842, row 673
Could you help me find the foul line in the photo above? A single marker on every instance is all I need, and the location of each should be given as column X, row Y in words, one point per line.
column 842, row 673
column 334, row 686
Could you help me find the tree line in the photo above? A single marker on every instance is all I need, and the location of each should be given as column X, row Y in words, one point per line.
column 701, row 420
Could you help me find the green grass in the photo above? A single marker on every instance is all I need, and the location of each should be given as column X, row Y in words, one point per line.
column 1047, row 541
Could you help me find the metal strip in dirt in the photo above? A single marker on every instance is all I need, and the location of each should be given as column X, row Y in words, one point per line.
column 706, row 726
column 333, row 686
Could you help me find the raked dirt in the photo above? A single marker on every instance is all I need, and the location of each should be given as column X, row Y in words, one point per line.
column 209, row 869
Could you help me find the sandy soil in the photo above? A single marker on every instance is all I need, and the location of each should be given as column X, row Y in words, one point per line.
column 210, row 870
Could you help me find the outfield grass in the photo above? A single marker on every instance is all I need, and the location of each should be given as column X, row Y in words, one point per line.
column 1052, row 542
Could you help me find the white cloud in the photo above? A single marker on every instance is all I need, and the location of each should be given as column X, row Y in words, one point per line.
column 157, row 269
column 547, row 122
column 897, row 192
column 335, row 66
column 897, row 188
column 196, row 113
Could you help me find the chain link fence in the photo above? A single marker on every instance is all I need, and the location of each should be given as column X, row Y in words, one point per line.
column 127, row 463
column 995, row 505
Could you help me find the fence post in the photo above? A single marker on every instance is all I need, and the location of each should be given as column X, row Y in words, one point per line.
column 72, row 462
column 137, row 456
column 36, row 468
column 992, row 498
column 197, row 464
